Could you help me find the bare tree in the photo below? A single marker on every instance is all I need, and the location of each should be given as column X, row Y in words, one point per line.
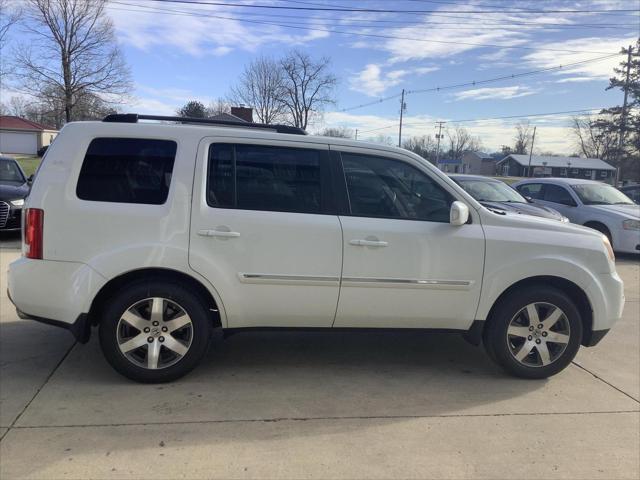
column 337, row 132
column 522, row 138
column 9, row 15
column 261, row 86
column 308, row 86
column 218, row 107
column 460, row 140
column 593, row 139
column 425, row 146
column 76, row 55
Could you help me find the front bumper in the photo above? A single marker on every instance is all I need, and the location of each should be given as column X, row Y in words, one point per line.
column 627, row 241
column 10, row 217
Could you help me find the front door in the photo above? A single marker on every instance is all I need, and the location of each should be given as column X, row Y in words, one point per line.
column 264, row 233
column 405, row 266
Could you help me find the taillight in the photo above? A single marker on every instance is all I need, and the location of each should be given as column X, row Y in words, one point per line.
column 33, row 225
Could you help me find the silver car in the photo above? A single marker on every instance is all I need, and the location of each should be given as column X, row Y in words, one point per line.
column 590, row 203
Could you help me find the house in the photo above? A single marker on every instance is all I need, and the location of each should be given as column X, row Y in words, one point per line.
column 238, row 114
column 452, row 165
column 551, row 166
column 19, row 135
column 479, row 163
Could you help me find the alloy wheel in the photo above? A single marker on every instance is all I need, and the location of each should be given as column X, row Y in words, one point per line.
column 538, row 334
column 154, row 333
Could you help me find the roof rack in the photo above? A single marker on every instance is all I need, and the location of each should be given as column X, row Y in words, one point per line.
column 134, row 117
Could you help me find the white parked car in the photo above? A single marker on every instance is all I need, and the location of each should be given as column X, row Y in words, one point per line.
column 590, row 203
column 157, row 233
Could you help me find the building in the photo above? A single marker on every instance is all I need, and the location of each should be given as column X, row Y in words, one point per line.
column 551, row 166
column 452, row 165
column 238, row 114
column 479, row 163
column 22, row 136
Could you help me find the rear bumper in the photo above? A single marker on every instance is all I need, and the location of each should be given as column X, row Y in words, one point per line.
column 52, row 292
column 80, row 328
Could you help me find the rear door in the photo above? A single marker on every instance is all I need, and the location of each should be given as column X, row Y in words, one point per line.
column 264, row 231
column 405, row 265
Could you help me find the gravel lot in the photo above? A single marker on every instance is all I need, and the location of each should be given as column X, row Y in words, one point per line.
column 266, row 405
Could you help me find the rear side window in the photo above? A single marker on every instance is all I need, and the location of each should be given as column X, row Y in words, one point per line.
column 556, row 194
column 257, row 177
column 532, row 190
column 127, row 170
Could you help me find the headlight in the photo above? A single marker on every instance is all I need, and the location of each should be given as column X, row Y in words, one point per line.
column 564, row 219
column 631, row 224
column 607, row 246
column 17, row 203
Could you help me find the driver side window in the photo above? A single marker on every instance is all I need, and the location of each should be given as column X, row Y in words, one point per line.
column 386, row 188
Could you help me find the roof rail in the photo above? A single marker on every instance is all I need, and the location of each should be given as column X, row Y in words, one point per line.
column 134, row 117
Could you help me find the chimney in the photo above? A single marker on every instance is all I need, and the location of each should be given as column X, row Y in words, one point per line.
column 245, row 113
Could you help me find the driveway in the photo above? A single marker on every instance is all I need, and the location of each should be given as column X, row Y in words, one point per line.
column 301, row 405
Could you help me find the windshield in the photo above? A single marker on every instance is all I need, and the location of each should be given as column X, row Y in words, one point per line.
column 490, row 191
column 600, row 194
column 10, row 172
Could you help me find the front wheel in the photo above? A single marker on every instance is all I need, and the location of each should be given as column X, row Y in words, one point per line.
column 155, row 331
column 535, row 332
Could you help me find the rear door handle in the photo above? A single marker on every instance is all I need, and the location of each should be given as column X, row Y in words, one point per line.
column 218, row 233
column 368, row 243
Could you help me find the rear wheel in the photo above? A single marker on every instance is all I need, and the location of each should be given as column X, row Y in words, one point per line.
column 534, row 333
column 155, row 331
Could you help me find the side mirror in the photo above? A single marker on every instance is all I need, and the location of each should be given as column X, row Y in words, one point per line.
column 528, row 199
column 30, row 179
column 459, row 214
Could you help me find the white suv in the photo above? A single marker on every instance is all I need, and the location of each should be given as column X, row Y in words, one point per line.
column 159, row 232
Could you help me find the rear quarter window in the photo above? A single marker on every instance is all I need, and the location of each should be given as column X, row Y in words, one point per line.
column 127, row 170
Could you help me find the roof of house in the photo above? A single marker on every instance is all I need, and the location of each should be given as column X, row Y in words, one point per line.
column 482, row 155
column 11, row 122
column 228, row 117
column 449, row 161
column 562, row 162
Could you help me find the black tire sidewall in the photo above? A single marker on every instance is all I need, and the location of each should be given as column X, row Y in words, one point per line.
column 132, row 293
column 496, row 334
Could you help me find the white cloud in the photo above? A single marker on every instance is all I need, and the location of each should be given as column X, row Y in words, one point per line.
column 494, row 93
column 373, row 81
column 602, row 69
column 553, row 132
column 197, row 31
column 576, row 79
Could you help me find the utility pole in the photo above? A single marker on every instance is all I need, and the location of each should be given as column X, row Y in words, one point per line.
column 533, row 139
column 402, row 109
column 438, row 137
column 356, row 133
column 623, row 118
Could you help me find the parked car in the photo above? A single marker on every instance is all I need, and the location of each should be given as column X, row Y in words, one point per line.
column 632, row 191
column 590, row 203
column 157, row 233
column 14, row 187
column 501, row 198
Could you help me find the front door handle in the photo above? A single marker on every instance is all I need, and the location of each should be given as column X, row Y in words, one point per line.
column 218, row 233
column 368, row 243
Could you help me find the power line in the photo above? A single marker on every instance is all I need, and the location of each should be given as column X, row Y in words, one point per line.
column 376, row 10
column 581, row 112
column 391, row 37
column 479, row 82
column 503, row 24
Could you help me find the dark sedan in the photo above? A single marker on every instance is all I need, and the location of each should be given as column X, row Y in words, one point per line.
column 14, row 187
column 498, row 196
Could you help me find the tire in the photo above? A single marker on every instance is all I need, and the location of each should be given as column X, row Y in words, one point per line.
column 155, row 331
column 541, row 352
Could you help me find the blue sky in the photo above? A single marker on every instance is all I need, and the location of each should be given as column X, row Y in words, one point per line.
column 179, row 52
